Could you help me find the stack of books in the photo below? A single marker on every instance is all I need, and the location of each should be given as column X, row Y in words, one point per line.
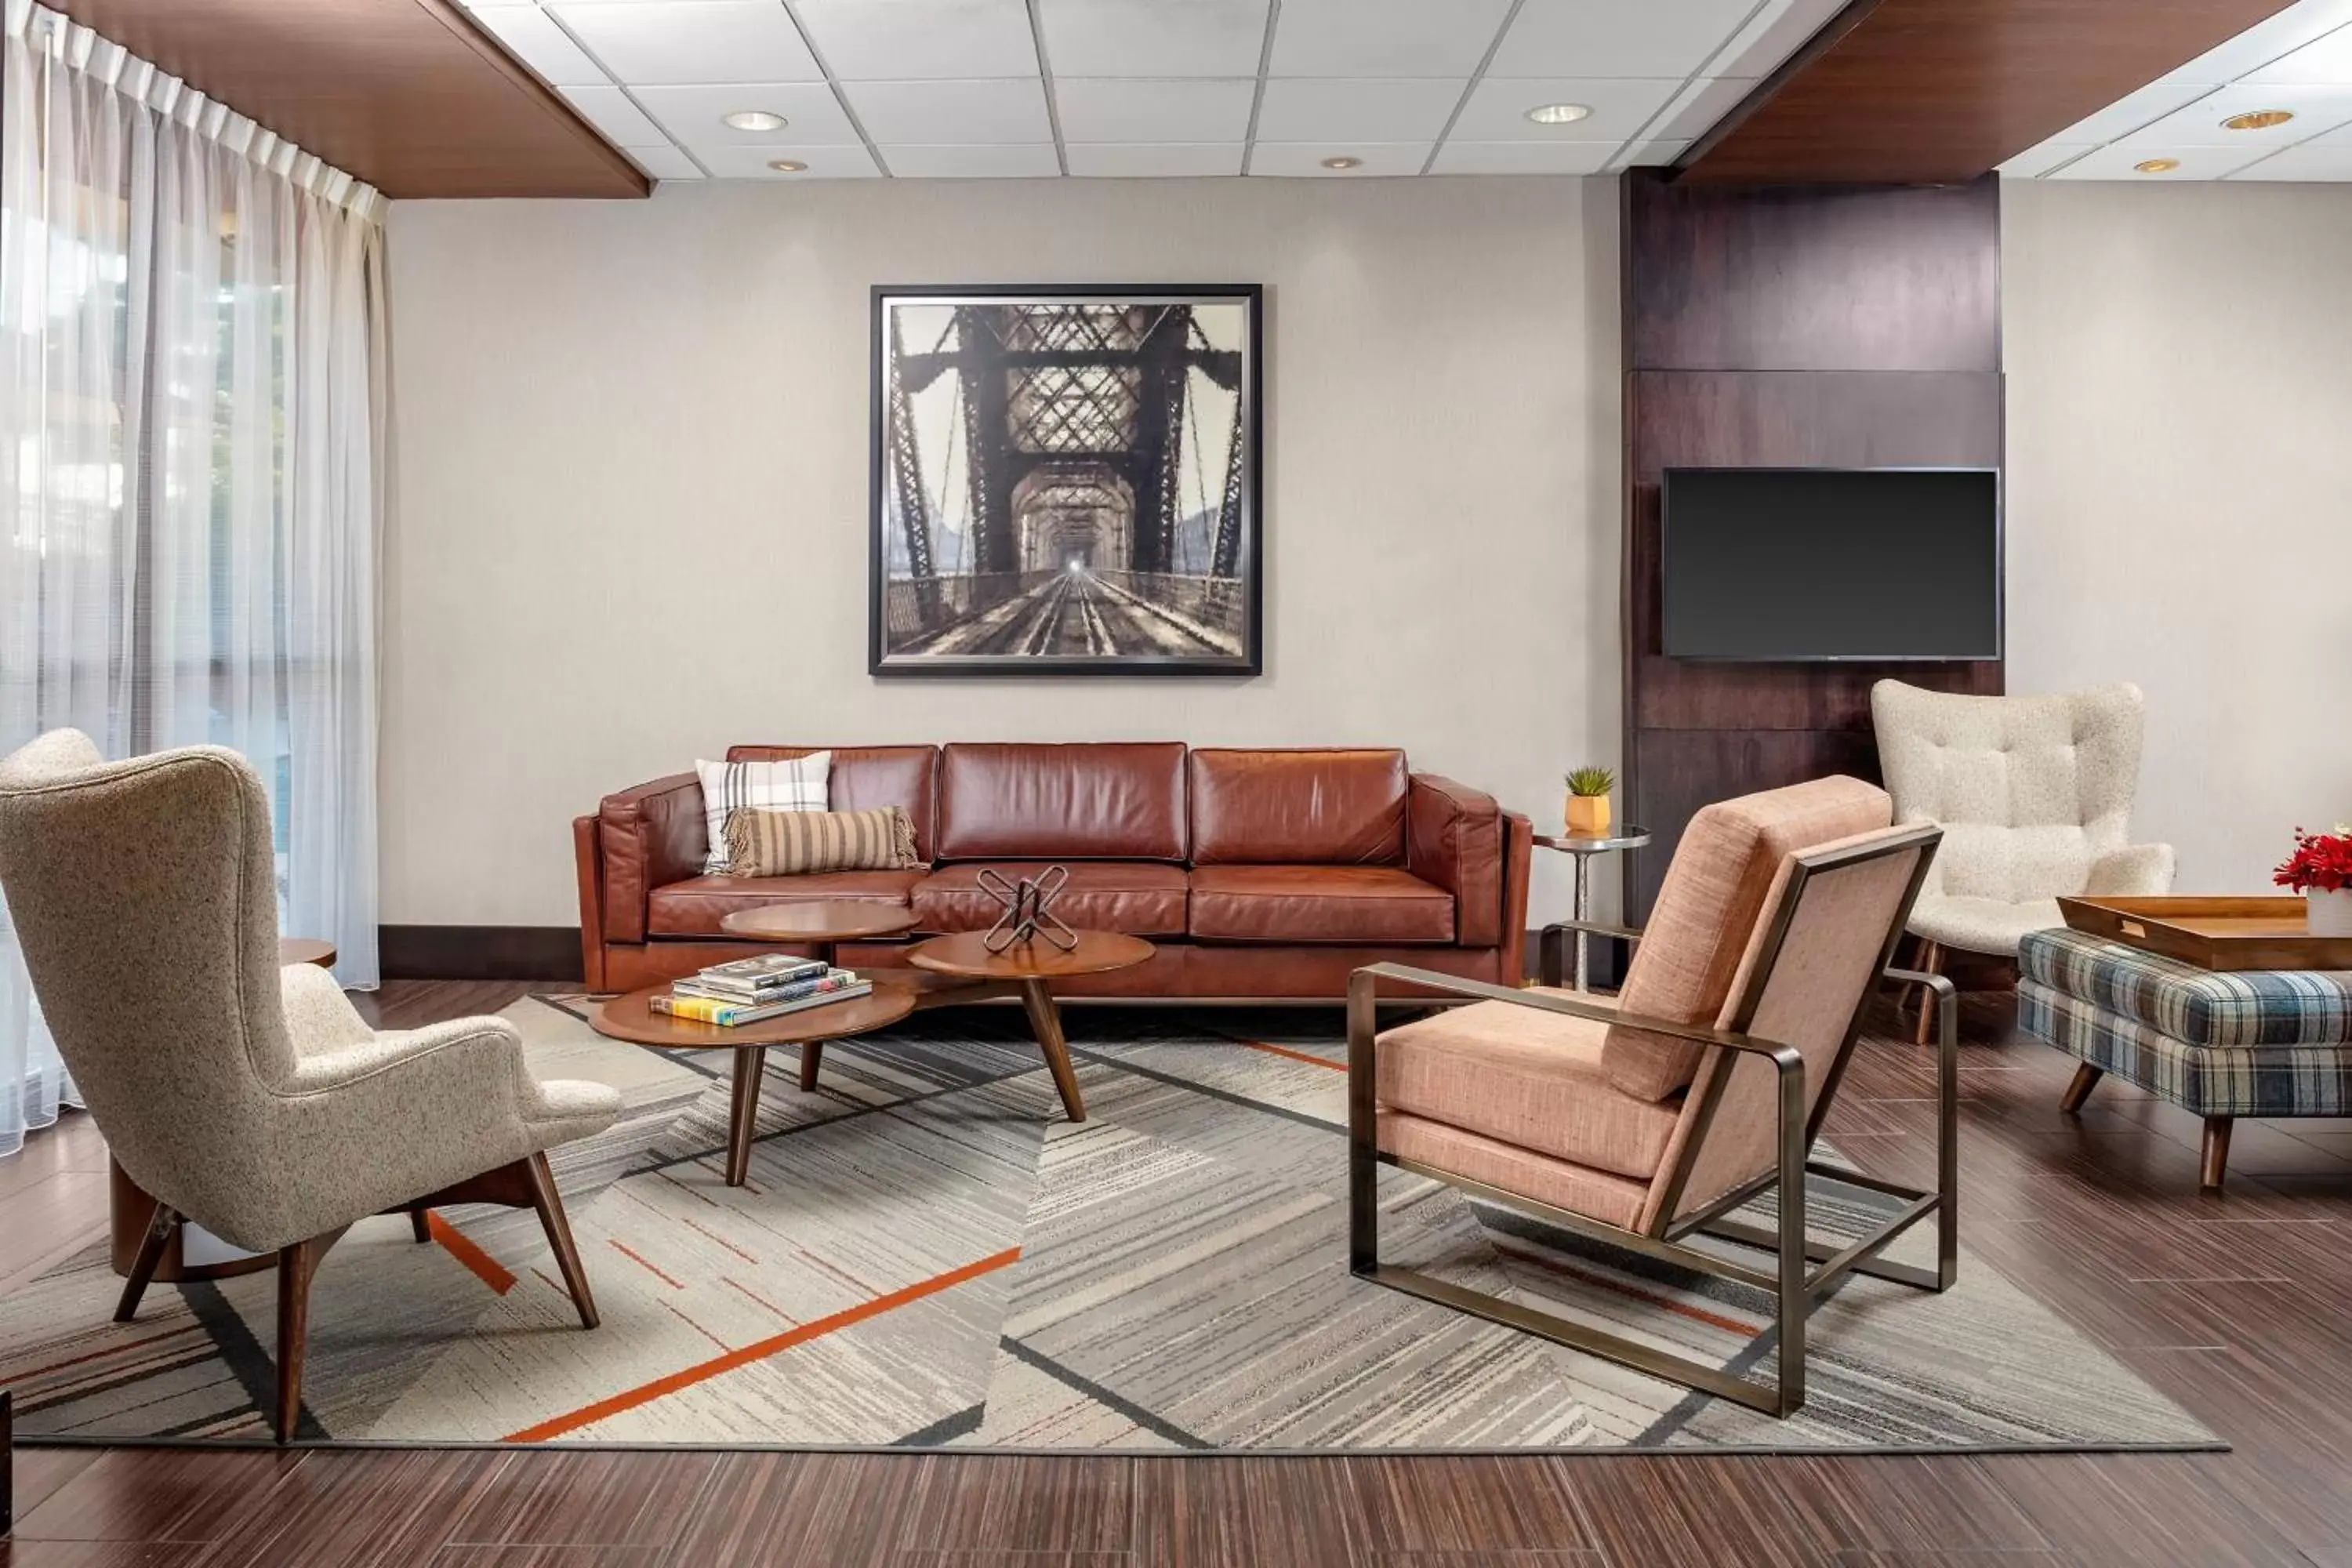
column 749, row 990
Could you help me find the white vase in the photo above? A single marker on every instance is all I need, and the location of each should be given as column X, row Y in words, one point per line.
column 2329, row 912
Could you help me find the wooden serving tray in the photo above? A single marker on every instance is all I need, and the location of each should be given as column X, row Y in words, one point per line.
column 2212, row 934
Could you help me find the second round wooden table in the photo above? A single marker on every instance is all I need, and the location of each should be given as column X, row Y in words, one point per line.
column 1030, row 966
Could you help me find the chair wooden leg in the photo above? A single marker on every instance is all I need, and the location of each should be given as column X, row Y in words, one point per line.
column 420, row 1222
column 142, row 1268
column 2214, row 1159
column 1931, row 962
column 812, row 1054
column 295, row 1267
column 2087, row 1078
column 550, row 1204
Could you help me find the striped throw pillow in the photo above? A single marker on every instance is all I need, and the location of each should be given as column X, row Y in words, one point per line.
column 791, row 842
column 799, row 785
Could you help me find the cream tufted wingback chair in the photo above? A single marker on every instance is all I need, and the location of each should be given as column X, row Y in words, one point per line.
column 2034, row 796
column 251, row 1099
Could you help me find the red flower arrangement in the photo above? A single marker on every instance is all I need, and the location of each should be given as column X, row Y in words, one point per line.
column 2322, row 861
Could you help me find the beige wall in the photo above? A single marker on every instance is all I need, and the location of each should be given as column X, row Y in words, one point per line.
column 629, row 524
column 2180, row 493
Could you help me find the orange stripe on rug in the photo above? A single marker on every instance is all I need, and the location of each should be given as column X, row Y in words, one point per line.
column 639, row 1261
column 759, row 1349
column 461, row 1245
column 1295, row 1056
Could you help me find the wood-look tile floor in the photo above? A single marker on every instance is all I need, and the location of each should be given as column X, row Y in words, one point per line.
column 2233, row 1304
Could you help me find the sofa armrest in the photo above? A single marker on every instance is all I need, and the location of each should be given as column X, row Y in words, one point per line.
column 650, row 836
column 1454, row 840
column 2143, row 870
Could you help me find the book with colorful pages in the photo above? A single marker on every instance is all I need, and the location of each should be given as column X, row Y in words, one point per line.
column 729, row 1015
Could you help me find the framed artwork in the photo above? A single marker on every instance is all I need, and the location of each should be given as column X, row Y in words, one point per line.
column 1065, row 481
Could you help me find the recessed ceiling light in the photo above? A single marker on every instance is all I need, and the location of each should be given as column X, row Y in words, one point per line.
column 2157, row 166
column 1343, row 163
column 1557, row 113
column 788, row 167
column 2259, row 120
column 753, row 119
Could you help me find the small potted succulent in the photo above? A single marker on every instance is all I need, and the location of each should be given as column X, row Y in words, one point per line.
column 2321, row 870
column 1587, row 802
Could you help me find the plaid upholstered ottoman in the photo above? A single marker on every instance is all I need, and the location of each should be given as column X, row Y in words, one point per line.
column 2254, row 1043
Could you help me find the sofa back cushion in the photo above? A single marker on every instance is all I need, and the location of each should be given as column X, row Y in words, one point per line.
column 865, row 777
column 1707, row 910
column 1119, row 801
column 1321, row 807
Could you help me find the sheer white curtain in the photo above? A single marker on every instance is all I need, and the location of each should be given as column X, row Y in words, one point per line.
column 191, row 432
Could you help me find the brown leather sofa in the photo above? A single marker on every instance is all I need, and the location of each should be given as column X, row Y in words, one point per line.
column 1256, row 874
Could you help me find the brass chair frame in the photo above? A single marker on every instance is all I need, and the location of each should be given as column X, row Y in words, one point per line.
column 1794, row 1288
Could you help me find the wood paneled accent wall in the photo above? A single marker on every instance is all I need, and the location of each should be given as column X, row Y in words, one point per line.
column 1789, row 327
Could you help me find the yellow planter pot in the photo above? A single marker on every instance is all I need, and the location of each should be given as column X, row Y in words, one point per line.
column 1587, row 817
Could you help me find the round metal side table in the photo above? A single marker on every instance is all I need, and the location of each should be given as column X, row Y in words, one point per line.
column 1548, row 962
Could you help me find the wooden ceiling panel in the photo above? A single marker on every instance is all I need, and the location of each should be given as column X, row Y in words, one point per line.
column 405, row 94
column 1920, row 91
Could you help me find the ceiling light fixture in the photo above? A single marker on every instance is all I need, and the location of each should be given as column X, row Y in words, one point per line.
column 1343, row 163
column 2157, row 166
column 2258, row 119
column 753, row 119
column 788, row 167
column 1558, row 113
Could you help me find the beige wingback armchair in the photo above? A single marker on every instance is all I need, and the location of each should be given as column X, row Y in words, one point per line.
column 251, row 1099
column 2034, row 796
column 1649, row 1119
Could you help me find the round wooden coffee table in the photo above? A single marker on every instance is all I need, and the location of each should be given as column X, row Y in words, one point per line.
column 1032, row 966
column 632, row 1018
column 823, row 925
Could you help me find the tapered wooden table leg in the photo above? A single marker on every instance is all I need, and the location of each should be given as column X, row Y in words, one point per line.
column 2087, row 1078
column 812, row 1056
column 1046, row 1020
column 2215, row 1157
column 743, row 1113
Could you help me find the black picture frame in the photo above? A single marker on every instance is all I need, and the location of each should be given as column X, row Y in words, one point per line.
column 1146, row 620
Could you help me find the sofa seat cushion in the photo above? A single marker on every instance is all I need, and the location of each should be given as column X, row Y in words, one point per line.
column 1136, row 898
column 1527, row 1078
column 1318, row 903
column 1563, row 1184
column 695, row 907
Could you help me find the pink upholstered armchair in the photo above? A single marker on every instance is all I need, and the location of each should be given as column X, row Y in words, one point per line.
column 1701, row 1088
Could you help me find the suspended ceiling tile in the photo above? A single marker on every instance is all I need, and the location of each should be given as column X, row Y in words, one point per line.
column 1112, row 109
column 1459, row 157
column 1305, row 160
column 664, row 162
column 1153, row 37
column 940, row 113
column 532, row 36
column 2326, row 61
column 853, row 162
column 904, row 40
column 1384, row 38
column 1154, row 160
column 648, row 41
column 2267, row 40
column 972, row 162
column 2121, row 162
column 697, row 115
column 2035, row 162
column 2315, row 110
column 1308, row 110
column 608, row 109
column 1612, row 39
column 1497, row 110
column 2312, row 163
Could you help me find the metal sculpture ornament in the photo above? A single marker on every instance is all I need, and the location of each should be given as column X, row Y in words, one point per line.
column 1027, row 912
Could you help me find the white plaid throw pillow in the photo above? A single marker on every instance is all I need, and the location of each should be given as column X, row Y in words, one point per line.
column 799, row 785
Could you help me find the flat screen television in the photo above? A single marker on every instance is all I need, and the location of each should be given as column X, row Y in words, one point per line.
column 1802, row 564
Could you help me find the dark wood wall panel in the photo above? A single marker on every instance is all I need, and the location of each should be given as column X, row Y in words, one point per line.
column 1845, row 327
column 1814, row 278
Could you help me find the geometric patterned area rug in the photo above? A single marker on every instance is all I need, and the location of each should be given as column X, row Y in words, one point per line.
column 928, row 1256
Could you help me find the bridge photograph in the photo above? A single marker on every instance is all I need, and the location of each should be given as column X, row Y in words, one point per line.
column 1066, row 482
